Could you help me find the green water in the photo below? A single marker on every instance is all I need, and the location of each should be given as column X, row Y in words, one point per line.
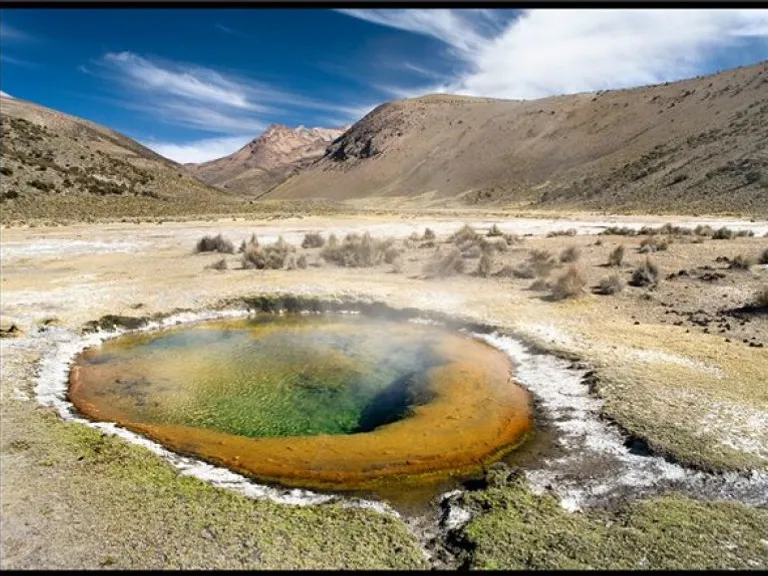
column 269, row 376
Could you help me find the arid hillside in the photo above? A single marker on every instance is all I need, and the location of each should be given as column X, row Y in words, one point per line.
column 268, row 160
column 56, row 165
column 694, row 146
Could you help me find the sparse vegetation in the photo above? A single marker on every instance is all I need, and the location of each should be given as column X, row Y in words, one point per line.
column 570, row 254
column 271, row 256
column 495, row 231
column 568, row 232
column 647, row 274
column 218, row 265
column 540, row 285
column 703, row 230
column 301, row 262
column 761, row 297
column 723, row 233
column 618, row 231
column 215, row 244
column 428, row 234
column 313, row 240
column 570, row 285
column 610, row 285
column 741, row 262
column 463, row 235
column 511, row 239
column 359, row 251
column 616, row 257
column 653, row 244
column 442, row 265
column 485, row 265
column 763, row 258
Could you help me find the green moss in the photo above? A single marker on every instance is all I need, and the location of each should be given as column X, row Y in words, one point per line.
column 515, row 529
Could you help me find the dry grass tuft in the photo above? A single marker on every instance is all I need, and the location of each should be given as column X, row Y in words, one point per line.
column 485, row 265
column 215, row 244
column 495, row 231
column 761, row 298
column 616, row 257
column 570, row 254
column 741, row 262
column 218, row 265
column 444, row 265
column 360, row 251
column 272, row 256
column 570, row 285
column 610, row 285
column 647, row 274
column 568, row 232
column 653, row 244
column 313, row 240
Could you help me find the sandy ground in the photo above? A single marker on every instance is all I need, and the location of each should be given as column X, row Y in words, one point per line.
column 673, row 366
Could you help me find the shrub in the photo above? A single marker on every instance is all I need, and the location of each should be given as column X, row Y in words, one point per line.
column 653, row 244
column 703, row 230
column 616, row 257
column 301, row 262
column 428, row 234
column 313, row 240
column 722, row 234
column 290, row 262
column 471, row 251
column 540, row 285
column 358, row 251
column 444, row 265
column 618, row 231
column 525, row 271
column 647, row 274
column 463, row 235
column 215, row 244
column 570, row 254
column 570, row 285
column 511, row 239
column 763, row 258
column 568, row 232
column 391, row 254
column 741, row 262
column 218, row 265
column 495, row 231
column 253, row 241
column 332, row 241
column 397, row 266
column 541, row 262
column 485, row 265
column 610, row 285
column 743, row 234
column 761, row 297
column 272, row 256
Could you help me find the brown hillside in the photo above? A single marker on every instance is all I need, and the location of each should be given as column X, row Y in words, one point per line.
column 697, row 145
column 56, row 165
column 267, row 160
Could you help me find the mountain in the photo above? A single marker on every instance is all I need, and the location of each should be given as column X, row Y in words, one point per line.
column 693, row 146
column 267, row 160
column 59, row 166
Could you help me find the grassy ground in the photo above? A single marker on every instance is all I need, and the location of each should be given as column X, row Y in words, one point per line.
column 105, row 502
column 515, row 529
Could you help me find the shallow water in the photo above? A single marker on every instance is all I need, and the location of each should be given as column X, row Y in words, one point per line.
column 323, row 401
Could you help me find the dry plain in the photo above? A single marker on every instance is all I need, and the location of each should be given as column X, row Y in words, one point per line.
column 677, row 371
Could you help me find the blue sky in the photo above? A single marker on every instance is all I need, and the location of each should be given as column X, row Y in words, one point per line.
column 198, row 84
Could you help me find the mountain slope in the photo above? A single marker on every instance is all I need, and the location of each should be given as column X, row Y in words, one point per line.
column 54, row 164
column 267, row 160
column 697, row 145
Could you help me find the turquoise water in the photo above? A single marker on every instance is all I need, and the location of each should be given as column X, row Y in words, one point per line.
column 270, row 376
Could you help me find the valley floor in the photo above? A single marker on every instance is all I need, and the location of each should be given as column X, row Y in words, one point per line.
column 680, row 368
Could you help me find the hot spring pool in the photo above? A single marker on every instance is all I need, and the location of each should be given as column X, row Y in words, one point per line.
column 341, row 402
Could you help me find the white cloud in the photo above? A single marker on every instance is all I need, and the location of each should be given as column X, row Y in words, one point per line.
column 202, row 98
column 9, row 33
column 546, row 52
column 199, row 150
column 6, row 95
